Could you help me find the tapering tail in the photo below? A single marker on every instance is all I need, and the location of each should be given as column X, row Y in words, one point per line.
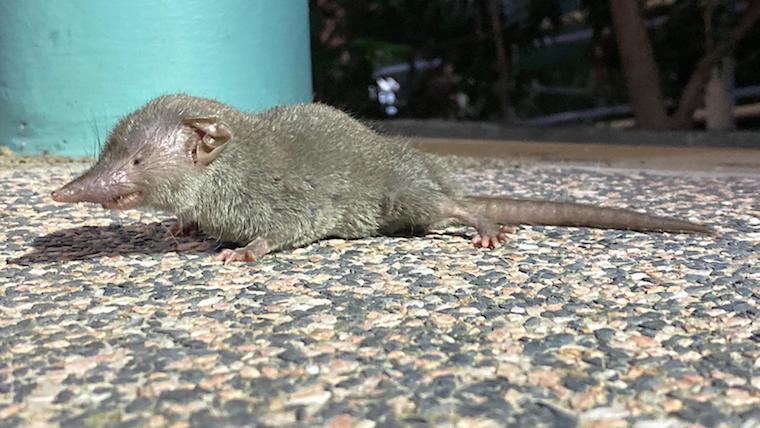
column 549, row 213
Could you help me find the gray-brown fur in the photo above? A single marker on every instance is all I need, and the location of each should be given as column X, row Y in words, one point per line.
column 295, row 174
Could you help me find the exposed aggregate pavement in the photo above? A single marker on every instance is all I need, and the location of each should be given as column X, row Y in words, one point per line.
column 104, row 322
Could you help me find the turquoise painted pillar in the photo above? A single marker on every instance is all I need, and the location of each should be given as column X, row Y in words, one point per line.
column 70, row 69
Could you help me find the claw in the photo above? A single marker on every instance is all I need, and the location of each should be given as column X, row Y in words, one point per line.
column 257, row 248
column 240, row 255
column 486, row 240
column 177, row 229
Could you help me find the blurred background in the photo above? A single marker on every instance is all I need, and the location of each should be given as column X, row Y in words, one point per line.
column 653, row 65
column 459, row 69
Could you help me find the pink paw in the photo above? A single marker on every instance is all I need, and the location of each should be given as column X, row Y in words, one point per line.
column 240, row 255
column 257, row 248
column 492, row 240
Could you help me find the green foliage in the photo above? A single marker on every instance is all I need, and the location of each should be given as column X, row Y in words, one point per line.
column 351, row 39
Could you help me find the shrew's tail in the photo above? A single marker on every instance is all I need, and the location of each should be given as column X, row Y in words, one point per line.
column 537, row 212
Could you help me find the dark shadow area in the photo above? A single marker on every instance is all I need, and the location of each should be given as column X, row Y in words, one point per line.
column 89, row 242
column 578, row 134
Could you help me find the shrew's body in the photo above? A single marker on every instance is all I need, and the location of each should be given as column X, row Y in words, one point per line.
column 296, row 174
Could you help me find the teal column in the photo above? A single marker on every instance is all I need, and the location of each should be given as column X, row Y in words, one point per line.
column 70, row 69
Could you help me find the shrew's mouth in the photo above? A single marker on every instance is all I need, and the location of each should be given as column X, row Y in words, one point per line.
column 125, row 201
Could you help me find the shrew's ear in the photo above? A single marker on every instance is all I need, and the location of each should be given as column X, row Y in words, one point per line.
column 214, row 135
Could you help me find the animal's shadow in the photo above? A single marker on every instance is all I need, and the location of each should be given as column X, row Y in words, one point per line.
column 89, row 242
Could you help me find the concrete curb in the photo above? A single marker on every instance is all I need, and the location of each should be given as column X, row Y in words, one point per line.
column 580, row 134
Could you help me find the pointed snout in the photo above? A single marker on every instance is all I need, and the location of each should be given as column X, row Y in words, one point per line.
column 69, row 193
column 63, row 195
column 88, row 187
column 99, row 188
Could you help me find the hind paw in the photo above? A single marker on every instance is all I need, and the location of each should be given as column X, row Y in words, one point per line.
column 492, row 239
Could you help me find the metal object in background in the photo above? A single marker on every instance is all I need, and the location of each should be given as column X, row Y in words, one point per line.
column 70, row 69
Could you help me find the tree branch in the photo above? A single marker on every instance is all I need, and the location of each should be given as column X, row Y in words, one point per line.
column 694, row 90
column 639, row 68
column 502, row 62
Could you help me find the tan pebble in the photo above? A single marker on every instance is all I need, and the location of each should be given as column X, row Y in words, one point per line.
column 320, row 278
column 594, row 396
column 401, row 405
column 342, row 366
column 433, row 374
column 309, row 397
column 691, row 356
column 643, row 341
column 756, row 381
column 704, row 397
column 341, row 421
column 250, row 372
column 11, row 410
column 326, row 319
column 634, row 372
column 571, row 353
column 418, row 313
column 729, row 378
column 672, row 405
column 322, row 334
column 514, row 398
column 607, row 423
column 209, row 301
column 469, row 310
column 320, row 348
column 689, row 381
column 379, row 319
column 23, row 348
column 499, row 335
column 270, row 372
column 443, row 320
column 478, row 423
column 37, row 272
column 214, row 382
column 58, row 344
column 485, row 372
column 544, row 378
column 280, row 419
column 275, row 315
column 415, row 323
column 365, row 423
column 511, row 372
column 740, row 397
column 102, row 310
column 599, row 416
column 156, row 421
column 532, row 311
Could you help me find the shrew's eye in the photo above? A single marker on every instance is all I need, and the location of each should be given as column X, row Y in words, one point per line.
column 136, row 161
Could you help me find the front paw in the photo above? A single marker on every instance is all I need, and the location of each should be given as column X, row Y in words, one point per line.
column 240, row 255
column 179, row 229
column 255, row 249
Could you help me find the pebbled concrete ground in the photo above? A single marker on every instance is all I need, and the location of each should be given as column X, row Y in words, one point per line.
column 103, row 322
